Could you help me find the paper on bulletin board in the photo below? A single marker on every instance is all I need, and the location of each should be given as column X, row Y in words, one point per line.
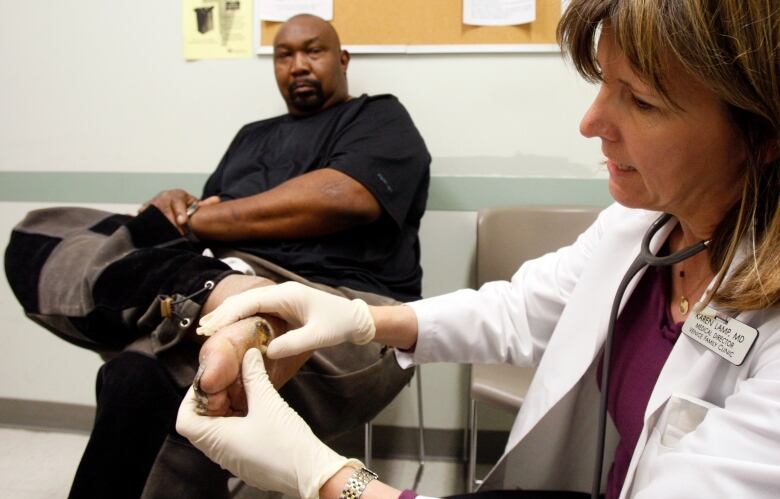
column 217, row 29
column 282, row 10
column 498, row 12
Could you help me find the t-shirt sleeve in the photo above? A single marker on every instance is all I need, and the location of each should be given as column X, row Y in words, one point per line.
column 382, row 149
column 213, row 185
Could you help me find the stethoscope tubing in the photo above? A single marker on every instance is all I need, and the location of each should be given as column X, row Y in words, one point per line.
column 644, row 258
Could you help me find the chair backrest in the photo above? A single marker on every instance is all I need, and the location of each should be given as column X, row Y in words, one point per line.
column 508, row 236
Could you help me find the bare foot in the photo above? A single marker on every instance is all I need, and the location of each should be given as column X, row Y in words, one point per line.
column 219, row 376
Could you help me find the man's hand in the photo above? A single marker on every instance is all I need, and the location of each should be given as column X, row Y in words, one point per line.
column 323, row 319
column 173, row 204
column 271, row 448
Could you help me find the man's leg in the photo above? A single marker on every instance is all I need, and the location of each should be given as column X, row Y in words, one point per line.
column 362, row 378
column 180, row 470
column 136, row 407
column 222, row 354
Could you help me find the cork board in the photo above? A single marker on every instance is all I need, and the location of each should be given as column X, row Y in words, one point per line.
column 403, row 23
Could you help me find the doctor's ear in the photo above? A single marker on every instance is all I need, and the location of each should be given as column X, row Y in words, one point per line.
column 769, row 152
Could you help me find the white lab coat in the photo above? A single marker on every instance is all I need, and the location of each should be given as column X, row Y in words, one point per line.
column 711, row 429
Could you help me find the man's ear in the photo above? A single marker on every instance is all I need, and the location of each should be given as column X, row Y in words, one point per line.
column 344, row 60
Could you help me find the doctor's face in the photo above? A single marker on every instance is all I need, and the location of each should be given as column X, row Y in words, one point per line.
column 658, row 157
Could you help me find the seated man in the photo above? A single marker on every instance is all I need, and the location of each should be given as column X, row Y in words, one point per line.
column 331, row 195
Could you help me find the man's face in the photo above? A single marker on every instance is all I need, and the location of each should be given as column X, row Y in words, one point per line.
column 310, row 67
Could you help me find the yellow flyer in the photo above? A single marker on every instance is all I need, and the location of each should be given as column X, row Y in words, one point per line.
column 216, row 29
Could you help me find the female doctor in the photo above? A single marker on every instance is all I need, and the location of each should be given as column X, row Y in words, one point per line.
column 688, row 114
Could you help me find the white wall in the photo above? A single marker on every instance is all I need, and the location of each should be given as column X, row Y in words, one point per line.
column 98, row 85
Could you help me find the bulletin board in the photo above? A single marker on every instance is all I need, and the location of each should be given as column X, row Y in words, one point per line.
column 428, row 26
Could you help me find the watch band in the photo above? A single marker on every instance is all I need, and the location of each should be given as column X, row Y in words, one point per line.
column 357, row 483
column 192, row 208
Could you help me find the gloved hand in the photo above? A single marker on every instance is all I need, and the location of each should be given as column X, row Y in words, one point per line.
column 271, row 448
column 323, row 319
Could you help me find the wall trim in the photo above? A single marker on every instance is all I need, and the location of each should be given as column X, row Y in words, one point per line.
column 447, row 193
column 44, row 415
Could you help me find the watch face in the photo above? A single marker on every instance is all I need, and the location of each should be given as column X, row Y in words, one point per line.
column 192, row 208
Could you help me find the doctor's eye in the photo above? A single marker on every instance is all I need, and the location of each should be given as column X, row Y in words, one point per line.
column 640, row 104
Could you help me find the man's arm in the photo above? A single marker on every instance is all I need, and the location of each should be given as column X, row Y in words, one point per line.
column 317, row 203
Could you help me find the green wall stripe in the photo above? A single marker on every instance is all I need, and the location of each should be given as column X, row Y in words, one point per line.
column 93, row 187
column 455, row 193
column 474, row 193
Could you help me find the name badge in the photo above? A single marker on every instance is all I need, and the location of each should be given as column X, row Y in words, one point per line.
column 722, row 334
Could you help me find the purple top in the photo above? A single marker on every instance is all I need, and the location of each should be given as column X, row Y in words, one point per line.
column 644, row 336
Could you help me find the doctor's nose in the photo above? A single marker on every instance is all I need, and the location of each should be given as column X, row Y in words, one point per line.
column 597, row 121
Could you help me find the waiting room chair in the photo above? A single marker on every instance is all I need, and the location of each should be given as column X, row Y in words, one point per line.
column 507, row 237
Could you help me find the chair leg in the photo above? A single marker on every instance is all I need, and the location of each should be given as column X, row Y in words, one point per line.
column 368, row 438
column 421, row 424
column 367, row 450
column 472, row 466
column 420, row 431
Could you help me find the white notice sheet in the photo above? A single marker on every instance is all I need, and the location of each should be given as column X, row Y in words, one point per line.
column 498, row 12
column 282, row 10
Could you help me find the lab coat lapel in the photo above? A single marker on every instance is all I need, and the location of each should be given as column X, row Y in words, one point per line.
column 687, row 359
column 686, row 367
column 581, row 331
column 583, row 325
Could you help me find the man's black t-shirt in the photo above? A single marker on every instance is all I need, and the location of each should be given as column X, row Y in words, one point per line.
column 374, row 141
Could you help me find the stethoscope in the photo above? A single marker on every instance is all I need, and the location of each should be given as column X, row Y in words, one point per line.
column 645, row 258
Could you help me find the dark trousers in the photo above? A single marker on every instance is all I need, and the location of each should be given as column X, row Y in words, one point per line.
column 137, row 403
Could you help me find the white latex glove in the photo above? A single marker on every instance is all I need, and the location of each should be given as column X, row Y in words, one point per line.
column 324, row 319
column 271, row 448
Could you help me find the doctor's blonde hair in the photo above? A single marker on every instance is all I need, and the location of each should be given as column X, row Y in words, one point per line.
column 733, row 48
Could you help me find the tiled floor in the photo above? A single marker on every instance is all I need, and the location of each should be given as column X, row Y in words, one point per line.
column 41, row 464
column 38, row 464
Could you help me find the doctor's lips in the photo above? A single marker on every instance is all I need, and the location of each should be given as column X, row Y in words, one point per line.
column 614, row 165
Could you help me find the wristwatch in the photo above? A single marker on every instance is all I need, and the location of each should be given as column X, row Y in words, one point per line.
column 192, row 208
column 357, row 483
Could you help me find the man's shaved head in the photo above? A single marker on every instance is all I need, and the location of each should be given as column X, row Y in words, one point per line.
column 310, row 67
column 310, row 21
